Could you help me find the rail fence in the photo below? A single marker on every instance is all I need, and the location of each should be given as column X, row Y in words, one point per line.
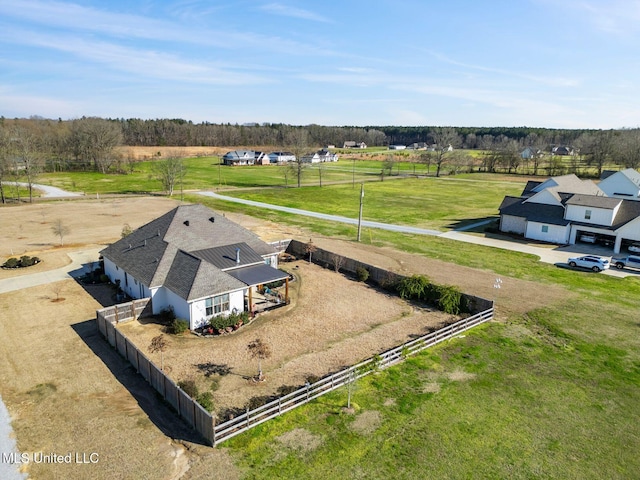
column 255, row 417
column 204, row 422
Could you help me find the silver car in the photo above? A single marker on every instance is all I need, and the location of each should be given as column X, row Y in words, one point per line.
column 591, row 262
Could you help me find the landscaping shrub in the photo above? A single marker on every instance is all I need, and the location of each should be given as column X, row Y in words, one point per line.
column 25, row 261
column 11, row 263
column 414, row 287
column 220, row 322
column 189, row 387
column 450, row 299
column 166, row 315
column 178, row 326
column 205, row 399
column 104, row 278
column 362, row 274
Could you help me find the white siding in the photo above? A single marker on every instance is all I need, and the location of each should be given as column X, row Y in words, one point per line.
column 619, row 184
column 545, row 197
column 599, row 216
column 554, row 233
column 179, row 304
column 198, row 308
column 630, row 231
column 511, row 224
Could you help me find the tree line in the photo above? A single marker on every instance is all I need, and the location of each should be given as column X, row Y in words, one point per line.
column 31, row 146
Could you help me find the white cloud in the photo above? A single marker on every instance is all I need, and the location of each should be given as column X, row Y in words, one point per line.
column 287, row 11
column 144, row 63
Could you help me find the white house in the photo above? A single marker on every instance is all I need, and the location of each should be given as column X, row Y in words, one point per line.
column 320, row 156
column 281, row 157
column 561, row 209
column 194, row 260
column 623, row 184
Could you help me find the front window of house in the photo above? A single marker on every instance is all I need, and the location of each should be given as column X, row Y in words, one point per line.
column 587, row 214
column 216, row 305
column 545, row 228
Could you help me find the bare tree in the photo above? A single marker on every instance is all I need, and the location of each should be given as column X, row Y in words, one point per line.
column 338, row 261
column 94, row 141
column 159, row 344
column 426, row 158
column 310, row 248
column 298, row 143
column 126, row 230
column 28, row 151
column 445, row 139
column 261, row 351
column 170, row 172
column 60, row 229
column 627, row 148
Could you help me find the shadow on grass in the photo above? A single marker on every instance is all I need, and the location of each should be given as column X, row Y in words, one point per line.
column 158, row 411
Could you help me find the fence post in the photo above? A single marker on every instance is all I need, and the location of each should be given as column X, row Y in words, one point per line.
column 248, row 415
column 279, row 405
column 307, row 384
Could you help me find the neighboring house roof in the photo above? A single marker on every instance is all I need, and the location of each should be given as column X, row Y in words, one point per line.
column 533, row 212
column 240, row 154
column 185, row 249
column 594, row 201
column 530, row 187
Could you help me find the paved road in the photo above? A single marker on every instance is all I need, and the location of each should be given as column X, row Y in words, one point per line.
column 48, row 191
column 556, row 255
column 324, row 216
column 8, row 471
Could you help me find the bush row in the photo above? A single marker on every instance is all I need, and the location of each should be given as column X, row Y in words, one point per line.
column 24, row 261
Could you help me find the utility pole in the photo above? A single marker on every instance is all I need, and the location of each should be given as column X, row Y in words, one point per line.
column 360, row 214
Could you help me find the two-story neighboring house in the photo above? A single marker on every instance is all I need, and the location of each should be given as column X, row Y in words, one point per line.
column 194, row 260
column 622, row 184
column 564, row 209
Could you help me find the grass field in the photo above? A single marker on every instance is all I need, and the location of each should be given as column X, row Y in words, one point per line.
column 553, row 393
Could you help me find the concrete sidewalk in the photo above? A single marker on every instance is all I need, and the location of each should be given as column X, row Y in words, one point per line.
column 81, row 261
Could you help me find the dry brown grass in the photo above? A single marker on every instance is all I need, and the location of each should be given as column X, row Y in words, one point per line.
column 332, row 322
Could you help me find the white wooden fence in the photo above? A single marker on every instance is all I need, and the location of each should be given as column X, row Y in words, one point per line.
column 252, row 418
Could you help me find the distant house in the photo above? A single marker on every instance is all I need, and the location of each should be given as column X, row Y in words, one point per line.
column 239, row 157
column 281, row 157
column 397, row 147
column 417, row 146
column 530, row 152
column 193, row 260
column 562, row 209
column 562, row 150
column 623, row 184
column 352, row 144
column 320, row 156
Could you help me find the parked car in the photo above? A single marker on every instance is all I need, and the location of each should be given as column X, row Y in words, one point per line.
column 591, row 262
column 588, row 238
column 631, row 261
column 634, row 247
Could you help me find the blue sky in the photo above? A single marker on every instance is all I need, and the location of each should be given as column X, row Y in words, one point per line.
column 544, row 63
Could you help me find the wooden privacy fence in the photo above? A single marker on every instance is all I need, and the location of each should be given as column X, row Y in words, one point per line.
column 190, row 410
column 204, row 423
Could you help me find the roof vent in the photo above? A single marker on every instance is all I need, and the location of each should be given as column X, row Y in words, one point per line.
column 237, row 255
column 186, row 222
column 212, row 219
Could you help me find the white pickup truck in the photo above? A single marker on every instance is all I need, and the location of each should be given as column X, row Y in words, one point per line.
column 631, row 261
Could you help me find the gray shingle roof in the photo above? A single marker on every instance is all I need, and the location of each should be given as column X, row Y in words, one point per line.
column 533, row 212
column 224, row 257
column 175, row 249
column 595, row 201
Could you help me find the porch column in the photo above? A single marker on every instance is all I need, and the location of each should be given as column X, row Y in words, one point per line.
column 616, row 247
column 250, row 300
column 286, row 290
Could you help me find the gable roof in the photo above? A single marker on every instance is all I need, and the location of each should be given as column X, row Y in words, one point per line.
column 533, row 212
column 182, row 250
column 595, row 201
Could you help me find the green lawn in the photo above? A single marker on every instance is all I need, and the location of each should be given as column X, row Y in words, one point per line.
column 554, row 393
column 441, row 203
